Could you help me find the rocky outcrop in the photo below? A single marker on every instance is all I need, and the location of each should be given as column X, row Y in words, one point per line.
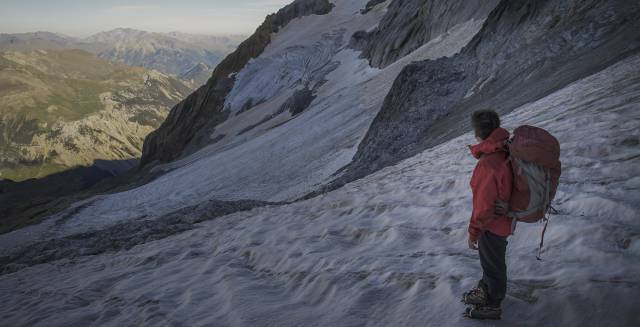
column 299, row 101
column 190, row 123
column 370, row 5
column 296, row 104
column 408, row 24
column 124, row 235
column 526, row 50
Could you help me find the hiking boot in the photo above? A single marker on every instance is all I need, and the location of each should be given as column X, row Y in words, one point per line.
column 476, row 296
column 484, row 312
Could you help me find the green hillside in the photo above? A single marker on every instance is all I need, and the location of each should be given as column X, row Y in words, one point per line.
column 64, row 108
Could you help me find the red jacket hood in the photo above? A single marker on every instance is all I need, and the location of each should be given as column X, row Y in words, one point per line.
column 493, row 143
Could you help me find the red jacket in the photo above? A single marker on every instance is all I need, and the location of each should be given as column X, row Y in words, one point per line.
column 492, row 179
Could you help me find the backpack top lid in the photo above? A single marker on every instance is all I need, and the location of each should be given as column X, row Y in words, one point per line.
column 534, row 144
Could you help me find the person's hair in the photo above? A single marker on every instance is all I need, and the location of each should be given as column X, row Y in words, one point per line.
column 484, row 122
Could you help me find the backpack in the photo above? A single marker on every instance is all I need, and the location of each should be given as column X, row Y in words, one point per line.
column 535, row 159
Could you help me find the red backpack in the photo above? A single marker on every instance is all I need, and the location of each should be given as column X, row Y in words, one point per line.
column 535, row 158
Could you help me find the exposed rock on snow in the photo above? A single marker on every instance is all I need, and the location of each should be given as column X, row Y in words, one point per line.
column 296, row 104
column 409, row 24
column 370, row 5
column 525, row 50
column 121, row 236
column 299, row 101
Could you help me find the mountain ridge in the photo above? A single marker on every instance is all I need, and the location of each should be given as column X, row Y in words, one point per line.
column 170, row 53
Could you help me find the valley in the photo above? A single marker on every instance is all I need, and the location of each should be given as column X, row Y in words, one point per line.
column 66, row 108
column 66, row 102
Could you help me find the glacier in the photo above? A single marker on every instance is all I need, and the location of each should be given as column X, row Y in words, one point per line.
column 389, row 249
column 251, row 165
column 225, row 236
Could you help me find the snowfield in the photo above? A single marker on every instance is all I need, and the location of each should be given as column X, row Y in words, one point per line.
column 267, row 163
column 387, row 250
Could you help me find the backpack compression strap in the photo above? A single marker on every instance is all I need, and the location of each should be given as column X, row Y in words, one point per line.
column 546, row 215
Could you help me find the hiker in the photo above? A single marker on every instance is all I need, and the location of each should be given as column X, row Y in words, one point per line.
column 489, row 226
column 515, row 180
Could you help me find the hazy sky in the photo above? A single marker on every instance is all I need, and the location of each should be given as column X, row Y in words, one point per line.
column 81, row 18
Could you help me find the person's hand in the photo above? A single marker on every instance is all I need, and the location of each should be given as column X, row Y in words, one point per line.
column 501, row 208
column 473, row 244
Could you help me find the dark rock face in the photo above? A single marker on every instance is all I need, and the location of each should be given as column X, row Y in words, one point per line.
column 298, row 102
column 526, row 50
column 189, row 124
column 408, row 24
column 360, row 40
column 122, row 236
column 28, row 202
column 403, row 118
column 370, row 5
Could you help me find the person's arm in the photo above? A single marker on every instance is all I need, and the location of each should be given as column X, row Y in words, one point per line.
column 485, row 194
column 504, row 194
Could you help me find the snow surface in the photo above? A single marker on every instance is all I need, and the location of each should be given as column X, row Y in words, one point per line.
column 300, row 53
column 386, row 250
column 270, row 164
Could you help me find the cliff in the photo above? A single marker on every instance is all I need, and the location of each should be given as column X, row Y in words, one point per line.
column 525, row 50
column 189, row 123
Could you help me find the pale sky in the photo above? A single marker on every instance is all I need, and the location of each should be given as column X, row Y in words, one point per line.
column 82, row 18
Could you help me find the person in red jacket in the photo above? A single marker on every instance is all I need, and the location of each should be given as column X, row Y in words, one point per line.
column 489, row 226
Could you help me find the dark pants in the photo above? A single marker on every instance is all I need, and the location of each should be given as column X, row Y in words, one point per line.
column 492, row 250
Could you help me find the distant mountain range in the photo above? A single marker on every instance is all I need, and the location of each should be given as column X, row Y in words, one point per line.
column 61, row 108
column 66, row 101
column 36, row 41
column 172, row 53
